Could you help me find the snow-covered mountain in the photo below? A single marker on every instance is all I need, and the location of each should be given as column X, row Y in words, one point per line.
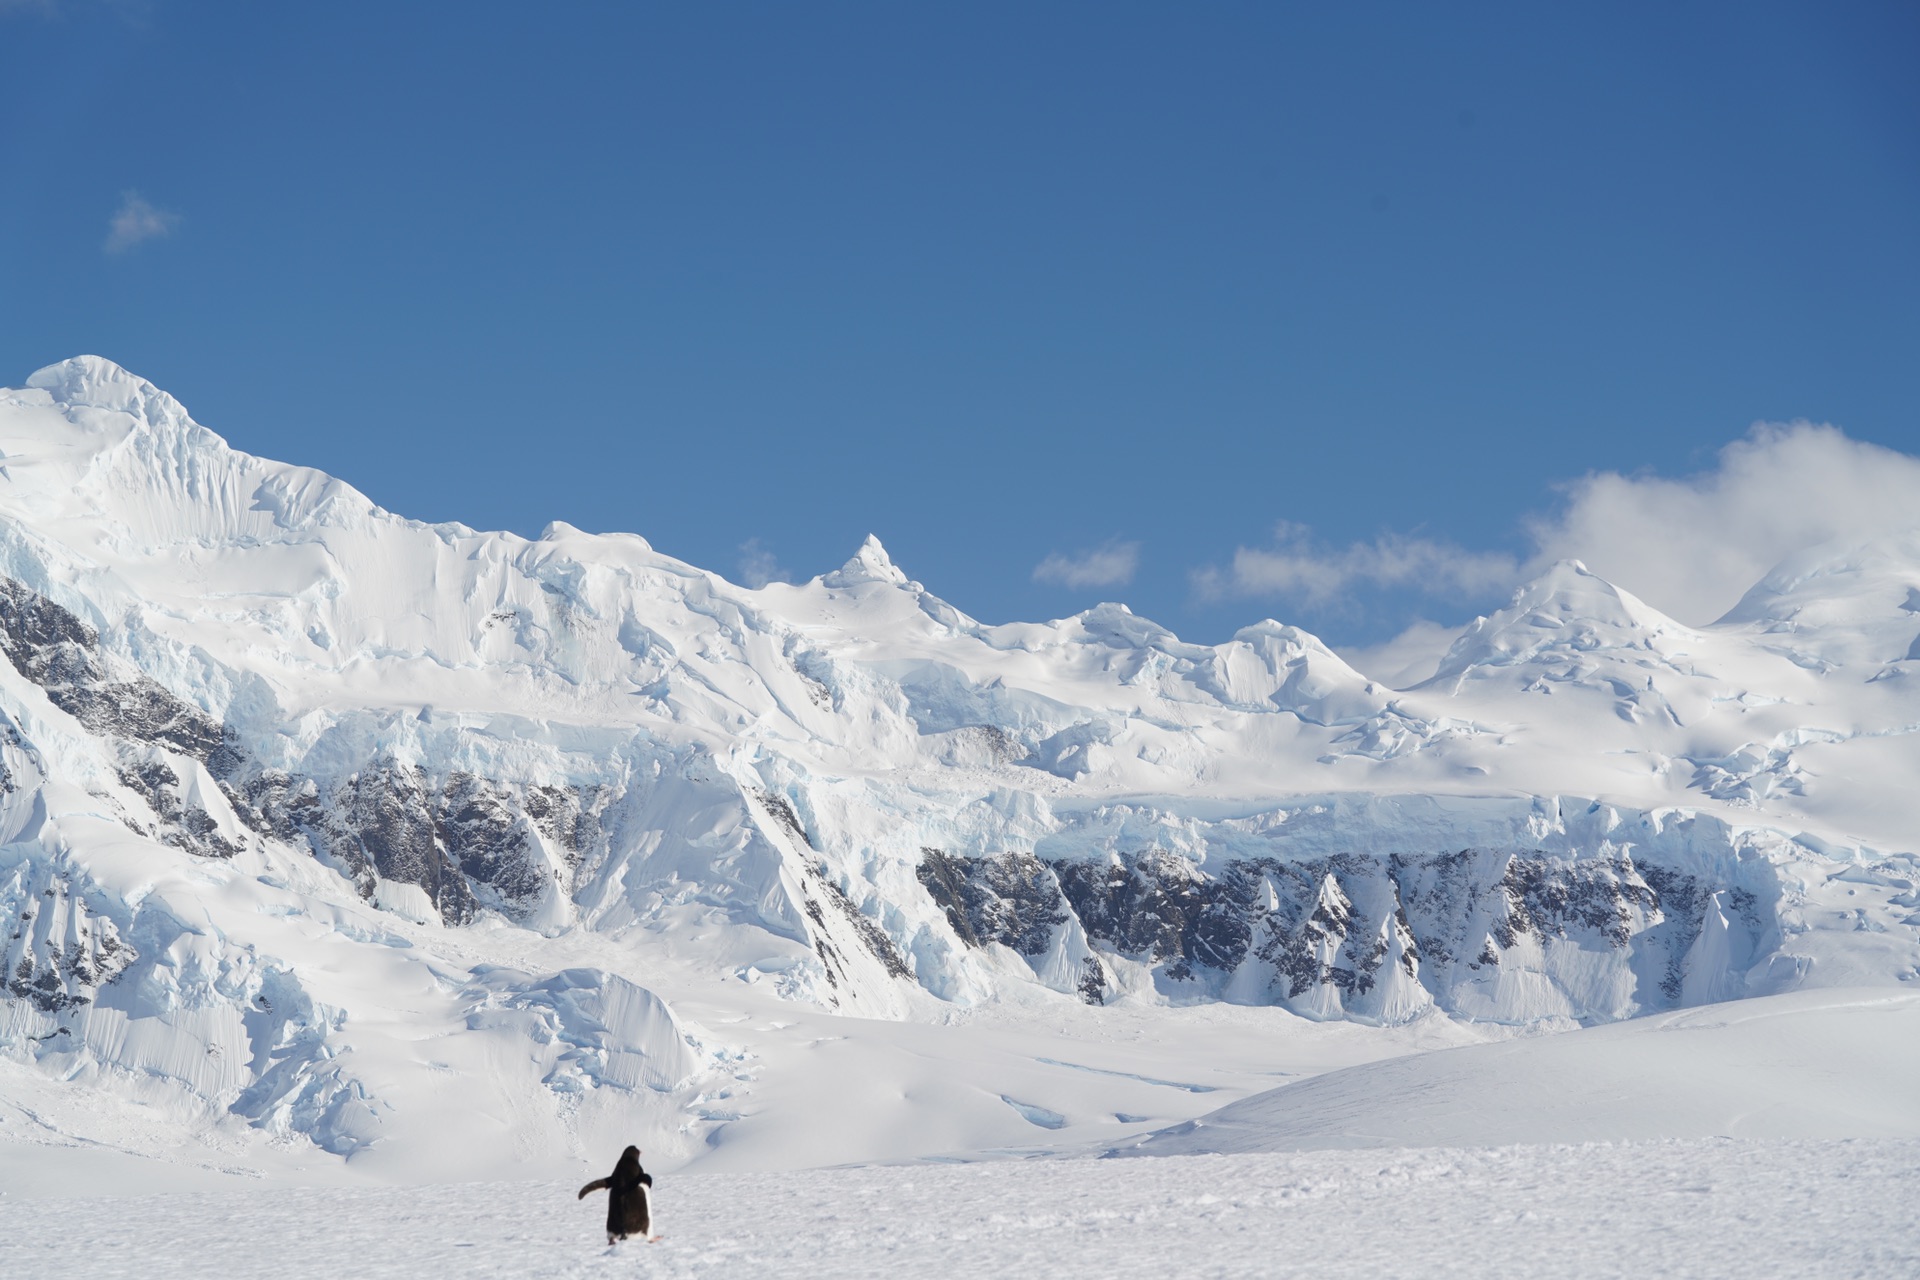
column 363, row 832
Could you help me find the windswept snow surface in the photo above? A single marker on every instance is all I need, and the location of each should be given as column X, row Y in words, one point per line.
column 1714, row 1208
column 1822, row 1064
column 334, row 844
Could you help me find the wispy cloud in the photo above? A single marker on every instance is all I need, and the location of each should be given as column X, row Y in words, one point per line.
column 1405, row 659
column 135, row 222
column 758, row 566
column 1109, row 565
column 1297, row 567
column 1690, row 546
column 1693, row 546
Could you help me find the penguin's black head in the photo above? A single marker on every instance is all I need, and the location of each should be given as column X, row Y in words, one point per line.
column 631, row 1153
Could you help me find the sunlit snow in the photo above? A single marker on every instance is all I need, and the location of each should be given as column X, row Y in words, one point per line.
column 345, row 857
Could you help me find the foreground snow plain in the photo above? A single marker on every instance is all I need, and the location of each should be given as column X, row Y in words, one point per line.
column 1696, row 1208
column 1797, row 1154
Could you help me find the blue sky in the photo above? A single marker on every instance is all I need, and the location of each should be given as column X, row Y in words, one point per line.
column 1226, row 311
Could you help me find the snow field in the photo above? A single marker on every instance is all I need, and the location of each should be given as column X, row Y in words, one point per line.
column 1698, row 1208
column 1811, row 1064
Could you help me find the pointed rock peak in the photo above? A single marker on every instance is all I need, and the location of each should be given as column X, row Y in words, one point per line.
column 869, row 564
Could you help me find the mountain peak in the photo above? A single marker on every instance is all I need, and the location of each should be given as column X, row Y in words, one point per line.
column 1567, row 587
column 870, row 563
column 1567, row 604
column 95, row 382
column 1882, row 569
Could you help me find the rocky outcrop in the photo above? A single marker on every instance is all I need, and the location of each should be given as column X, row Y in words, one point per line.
column 1014, row 899
column 848, row 943
column 1505, row 935
column 52, row 647
column 182, row 823
column 58, row 951
column 466, row 842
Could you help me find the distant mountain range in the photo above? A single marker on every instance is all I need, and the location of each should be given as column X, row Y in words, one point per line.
column 309, row 809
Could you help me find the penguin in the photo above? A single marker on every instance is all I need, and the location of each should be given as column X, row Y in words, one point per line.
column 629, row 1198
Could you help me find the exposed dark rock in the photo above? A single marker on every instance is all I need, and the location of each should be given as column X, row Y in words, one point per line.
column 1683, row 900
column 1551, row 896
column 1011, row 898
column 462, row 841
column 483, row 831
column 1331, row 923
column 781, row 812
column 199, row 832
column 1093, row 981
column 11, row 735
column 868, row 931
column 1328, row 922
column 57, row 651
column 830, row 962
column 1159, row 907
column 945, row 878
column 381, row 824
column 57, row 954
column 183, row 826
column 388, row 815
column 154, row 782
column 568, row 816
column 282, row 806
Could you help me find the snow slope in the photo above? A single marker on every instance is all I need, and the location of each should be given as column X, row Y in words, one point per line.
column 327, row 835
column 1827, row 1063
column 1820, row 1064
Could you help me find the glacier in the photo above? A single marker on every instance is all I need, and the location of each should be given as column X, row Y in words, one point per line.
column 408, row 843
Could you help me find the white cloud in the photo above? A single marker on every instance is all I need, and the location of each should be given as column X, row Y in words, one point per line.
column 1298, row 568
column 136, row 221
column 1690, row 546
column 758, row 566
column 1110, row 565
column 1407, row 658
